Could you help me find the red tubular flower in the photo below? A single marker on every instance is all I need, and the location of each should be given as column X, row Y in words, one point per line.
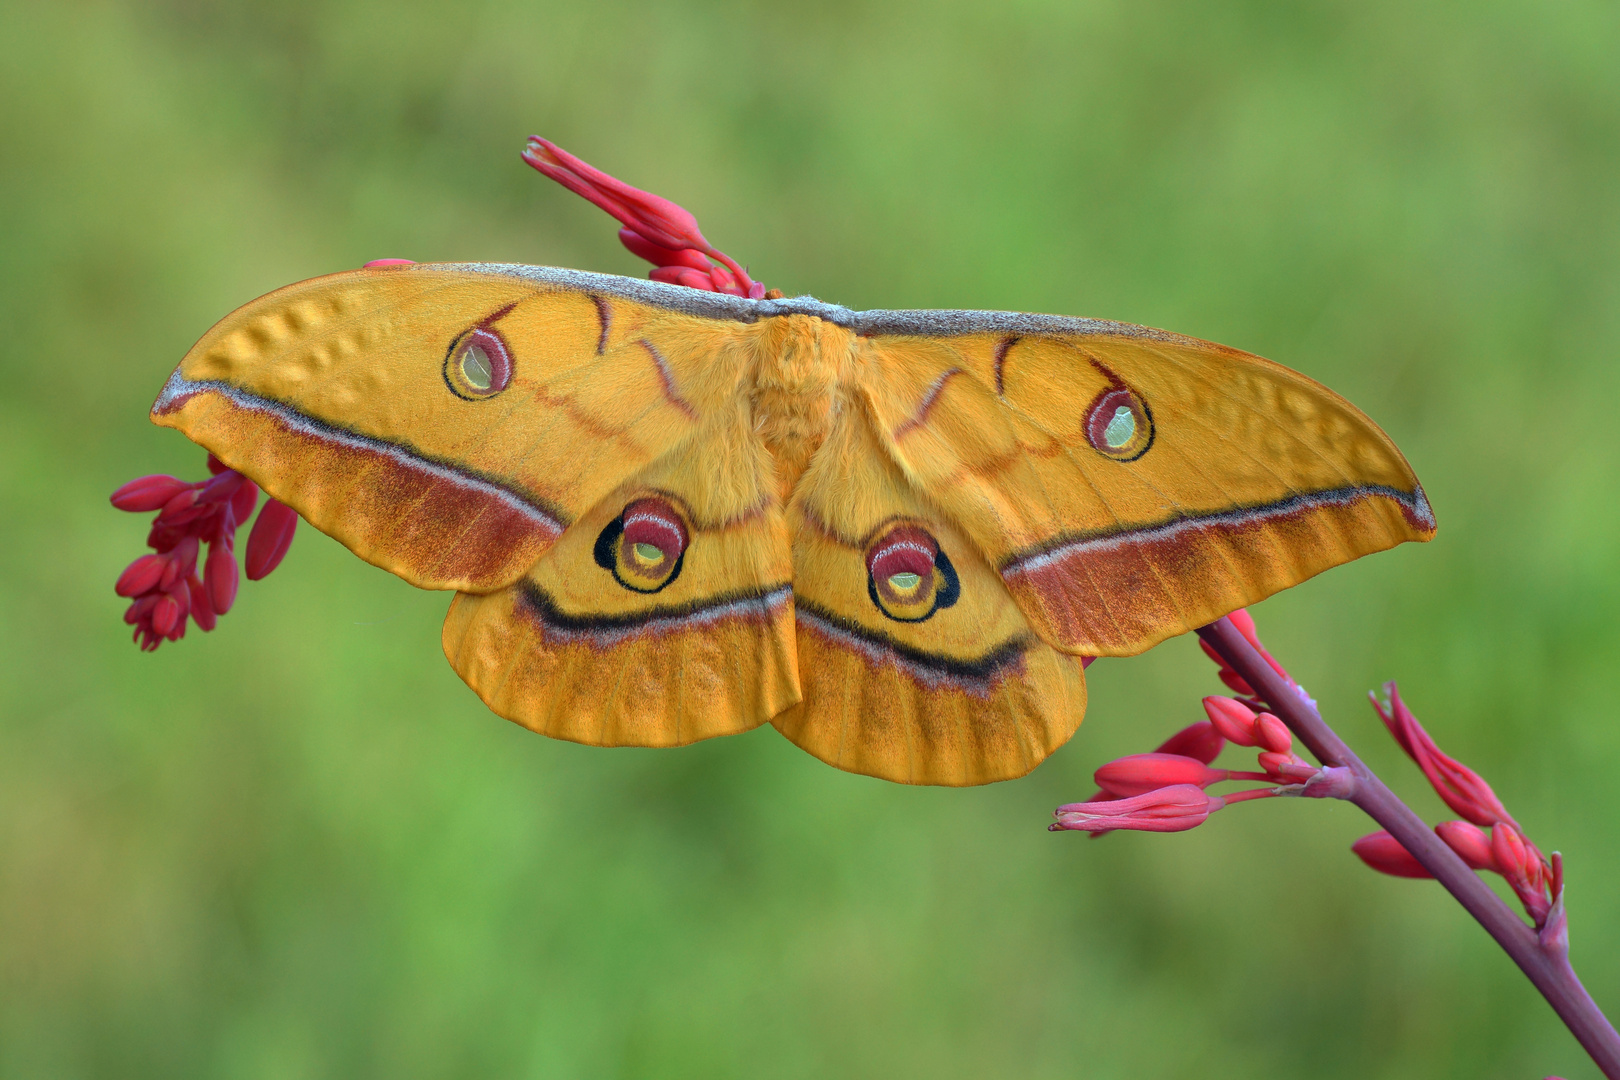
column 220, row 577
column 1384, row 853
column 1234, row 682
column 1464, row 790
column 1244, row 622
column 1287, row 768
column 660, row 231
column 1141, row 773
column 1245, row 625
column 1507, row 851
column 271, row 536
column 146, row 493
column 1469, row 841
column 659, row 255
column 657, row 219
column 1234, row 720
column 1199, row 741
column 141, row 576
column 164, row 587
column 1271, row 734
column 1523, row 868
column 1168, row 809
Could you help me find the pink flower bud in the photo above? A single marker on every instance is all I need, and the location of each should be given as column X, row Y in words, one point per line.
column 721, row 280
column 221, row 488
column 1468, row 841
column 220, row 575
column 1243, row 622
column 1287, row 768
column 1462, row 789
column 1141, row 773
column 1234, row 720
column 165, row 587
column 183, row 501
column 141, row 608
column 1232, row 679
column 141, row 576
column 1245, row 626
column 165, row 614
column 147, row 493
column 1508, row 850
column 683, row 275
column 243, row 502
column 657, row 219
column 1271, row 734
column 1168, row 809
column 272, row 535
column 201, row 606
column 654, row 220
column 1554, row 932
column 643, row 248
column 1385, row 854
column 180, row 559
column 1520, row 865
column 1199, row 741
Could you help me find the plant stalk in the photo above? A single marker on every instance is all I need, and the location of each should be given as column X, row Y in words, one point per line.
column 1548, row 968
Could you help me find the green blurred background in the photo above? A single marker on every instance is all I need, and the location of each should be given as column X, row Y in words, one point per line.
column 299, row 847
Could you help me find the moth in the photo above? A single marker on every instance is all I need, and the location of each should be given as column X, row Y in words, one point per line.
column 669, row 514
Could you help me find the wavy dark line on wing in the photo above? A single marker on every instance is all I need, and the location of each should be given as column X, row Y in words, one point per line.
column 933, row 670
column 603, row 630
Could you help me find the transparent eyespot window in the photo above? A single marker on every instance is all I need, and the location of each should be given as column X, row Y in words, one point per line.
column 478, row 365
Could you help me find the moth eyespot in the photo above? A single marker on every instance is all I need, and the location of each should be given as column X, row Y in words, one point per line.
column 644, row 546
column 908, row 576
column 478, row 365
column 475, row 368
column 1119, row 425
column 1120, row 429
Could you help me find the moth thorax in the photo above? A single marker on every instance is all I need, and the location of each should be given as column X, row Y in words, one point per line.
column 800, row 362
column 801, row 354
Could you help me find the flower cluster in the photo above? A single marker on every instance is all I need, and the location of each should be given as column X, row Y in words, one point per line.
column 1504, row 849
column 164, row 586
column 655, row 229
column 1164, row 791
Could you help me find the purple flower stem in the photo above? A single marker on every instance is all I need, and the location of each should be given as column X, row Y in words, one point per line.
column 1545, row 963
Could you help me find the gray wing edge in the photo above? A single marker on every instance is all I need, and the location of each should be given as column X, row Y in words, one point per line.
column 741, row 309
